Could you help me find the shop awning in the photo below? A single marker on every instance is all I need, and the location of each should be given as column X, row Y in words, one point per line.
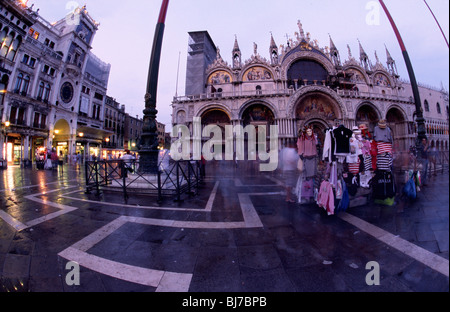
column 93, row 133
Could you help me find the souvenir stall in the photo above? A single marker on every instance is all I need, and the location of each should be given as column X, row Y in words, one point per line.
column 355, row 167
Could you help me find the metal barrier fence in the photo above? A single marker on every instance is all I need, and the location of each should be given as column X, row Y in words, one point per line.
column 174, row 180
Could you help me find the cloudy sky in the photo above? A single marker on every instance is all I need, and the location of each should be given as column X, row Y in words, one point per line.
column 126, row 31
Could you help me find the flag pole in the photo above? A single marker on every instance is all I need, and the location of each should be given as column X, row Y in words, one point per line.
column 421, row 131
column 437, row 22
column 148, row 149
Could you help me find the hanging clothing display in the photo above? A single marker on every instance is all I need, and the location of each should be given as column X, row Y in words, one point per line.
column 309, row 166
column 329, row 146
column 382, row 133
column 384, row 147
column 365, row 179
column 384, row 162
column 307, row 151
column 342, row 137
column 383, row 185
column 354, row 167
column 325, row 198
column 358, row 165
column 307, row 146
column 367, row 162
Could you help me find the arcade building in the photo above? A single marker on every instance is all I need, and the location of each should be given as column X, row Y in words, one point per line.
column 52, row 87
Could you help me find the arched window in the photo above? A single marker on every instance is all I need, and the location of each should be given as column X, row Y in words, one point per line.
column 3, row 87
column 26, row 84
column 427, row 106
column 7, row 43
column 3, row 35
column 47, row 92
column 19, row 82
column 438, row 108
column 258, row 90
column 13, row 48
column 40, row 91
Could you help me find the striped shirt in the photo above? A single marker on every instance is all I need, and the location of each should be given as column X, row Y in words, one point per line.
column 384, row 147
column 354, row 167
column 384, row 162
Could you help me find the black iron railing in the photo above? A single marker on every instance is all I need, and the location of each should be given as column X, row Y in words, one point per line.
column 172, row 180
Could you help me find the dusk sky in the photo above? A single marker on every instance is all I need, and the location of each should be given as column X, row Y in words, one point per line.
column 126, row 30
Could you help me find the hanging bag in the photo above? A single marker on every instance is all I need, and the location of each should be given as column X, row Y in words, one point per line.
column 410, row 189
column 344, row 203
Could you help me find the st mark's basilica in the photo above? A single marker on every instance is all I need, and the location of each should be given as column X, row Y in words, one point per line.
column 302, row 84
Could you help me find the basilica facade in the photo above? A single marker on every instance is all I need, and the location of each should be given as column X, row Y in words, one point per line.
column 302, row 84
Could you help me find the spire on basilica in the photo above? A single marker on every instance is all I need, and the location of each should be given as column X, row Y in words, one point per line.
column 273, row 51
column 334, row 53
column 364, row 58
column 392, row 67
column 237, row 57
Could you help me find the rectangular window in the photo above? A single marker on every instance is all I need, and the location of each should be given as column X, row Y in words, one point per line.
column 98, row 96
column 43, row 121
column 37, row 119
column 46, row 69
column 25, row 59
column 21, row 117
column 12, row 115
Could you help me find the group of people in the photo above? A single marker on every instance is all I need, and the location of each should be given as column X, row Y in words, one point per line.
column 48, row 159
column 427, row 155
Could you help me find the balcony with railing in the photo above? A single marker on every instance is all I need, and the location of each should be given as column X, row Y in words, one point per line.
column 45, row 50
column 374, row 96
column 288, row 92
column 233, row 94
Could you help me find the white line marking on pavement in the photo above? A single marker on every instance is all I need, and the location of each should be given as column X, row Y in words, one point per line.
column 162, row 280
column 18, row 226
column 431, row 260
column 251, row 217
column 189, row 224
column 36, row 185
column 212, row 197
column 208, row 207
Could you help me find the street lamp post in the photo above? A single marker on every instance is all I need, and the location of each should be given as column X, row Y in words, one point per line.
column 148, row 149
column 421, row 131
column 4, row 142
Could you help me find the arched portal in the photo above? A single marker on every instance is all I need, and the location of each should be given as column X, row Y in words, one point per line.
column 61, row 140
column 219, row 118
column 319, row 127
column 258, row 114
column 318, row 111
column 367, row 114
column 399, row 126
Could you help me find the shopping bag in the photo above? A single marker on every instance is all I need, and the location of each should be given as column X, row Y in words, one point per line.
column 410, row 189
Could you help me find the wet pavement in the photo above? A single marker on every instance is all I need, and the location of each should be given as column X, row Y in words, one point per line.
column 237, row 235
